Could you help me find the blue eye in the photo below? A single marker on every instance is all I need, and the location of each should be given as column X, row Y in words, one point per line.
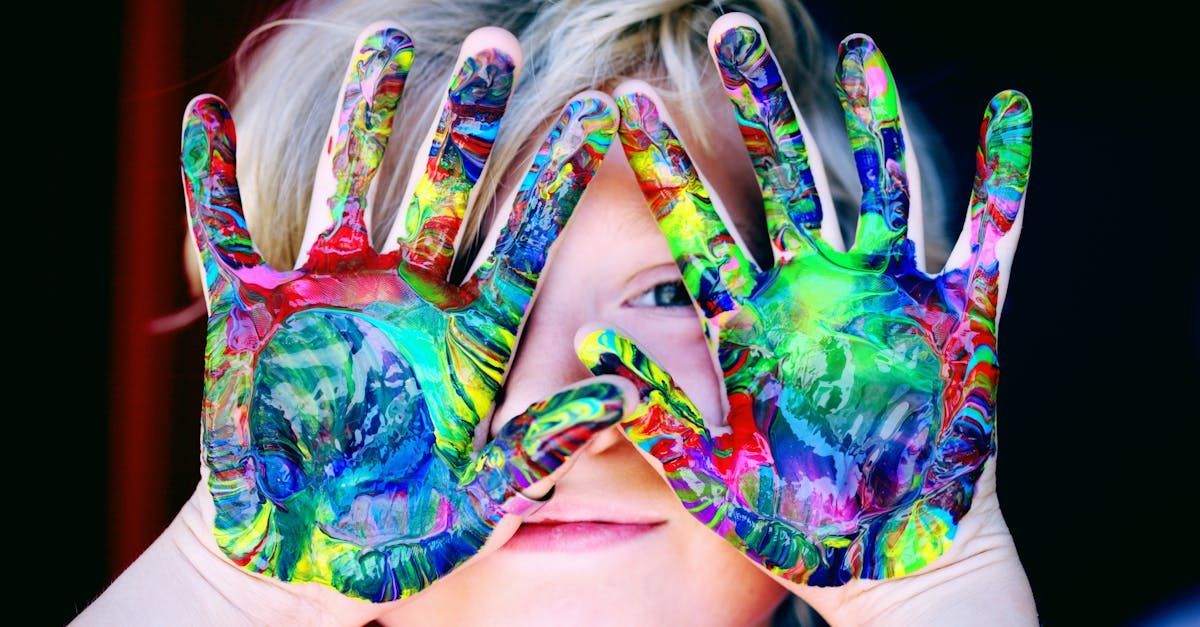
column 665, row 294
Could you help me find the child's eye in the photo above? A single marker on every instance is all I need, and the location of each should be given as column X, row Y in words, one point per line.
column 665, row 294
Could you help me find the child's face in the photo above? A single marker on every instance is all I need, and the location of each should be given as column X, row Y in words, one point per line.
column 611, row 266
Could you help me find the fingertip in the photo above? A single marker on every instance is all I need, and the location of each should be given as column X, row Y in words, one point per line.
column 593, row 339
column 728, row 22
column 636, row 98
column 598, row 112
column 1013, row 97
column 203, row 100
column 199, row 132
column 589, row 118
column 195, row 110
column 597, row 96
column 490, row 46
column 590, row 345
column 387, row 35
column 856, row 41
column 630, row 397
column 632, row 86
column 586, row 335
column 857, row 50
column 1008, row 105
column 1009, row 137
column 497, row 38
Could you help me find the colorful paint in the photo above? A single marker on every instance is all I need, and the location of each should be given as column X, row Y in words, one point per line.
column 861, row 390
column 342, row 397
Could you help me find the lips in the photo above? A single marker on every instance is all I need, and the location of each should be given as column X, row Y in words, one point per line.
column 573, row 525
column 582, row 535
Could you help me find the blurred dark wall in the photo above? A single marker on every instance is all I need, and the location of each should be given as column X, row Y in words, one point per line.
column 1095, row 346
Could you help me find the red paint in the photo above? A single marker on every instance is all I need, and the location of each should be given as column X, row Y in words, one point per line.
column 745, row 444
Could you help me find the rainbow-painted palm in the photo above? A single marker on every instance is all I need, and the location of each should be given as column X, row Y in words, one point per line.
column 861, row 389
column 342, row 397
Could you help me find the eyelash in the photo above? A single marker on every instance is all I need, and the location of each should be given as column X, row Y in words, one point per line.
column 677, row 292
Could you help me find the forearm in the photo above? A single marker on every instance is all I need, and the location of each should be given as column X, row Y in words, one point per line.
column 181, row 579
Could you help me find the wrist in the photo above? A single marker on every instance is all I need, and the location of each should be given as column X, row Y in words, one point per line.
column 988, row 588
column 978, row 581
column 184, row 577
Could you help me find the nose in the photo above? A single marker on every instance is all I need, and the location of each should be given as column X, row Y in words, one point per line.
column 545, row 362
column 581, row 282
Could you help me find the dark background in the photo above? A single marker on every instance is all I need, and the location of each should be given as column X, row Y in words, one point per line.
column 1099, row 343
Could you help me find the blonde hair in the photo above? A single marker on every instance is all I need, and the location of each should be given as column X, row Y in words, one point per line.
column 287, row 84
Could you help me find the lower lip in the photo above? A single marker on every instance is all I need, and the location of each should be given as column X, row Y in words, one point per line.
column 575, row 536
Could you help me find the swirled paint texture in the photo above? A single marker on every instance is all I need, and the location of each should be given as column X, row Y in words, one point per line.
column 861, row 389
column 342, row 397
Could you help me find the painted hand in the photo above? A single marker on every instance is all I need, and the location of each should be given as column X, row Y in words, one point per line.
column 342, row 396
column 861, row 390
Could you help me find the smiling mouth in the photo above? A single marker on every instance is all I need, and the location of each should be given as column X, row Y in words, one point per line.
column 576, row 535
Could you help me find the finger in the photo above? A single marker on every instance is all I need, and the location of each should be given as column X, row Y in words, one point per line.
column 501, row 288
column 711, row 257
column 869, row 98
column 214, row 204
column 458, row 146
column 532, row 446
column 666, row 424
column 338, row 231
column 788, row 170
column 1002, row 163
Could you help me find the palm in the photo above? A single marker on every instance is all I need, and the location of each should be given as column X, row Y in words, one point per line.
column 342, row 397
column 861, row 389
column 845, row 387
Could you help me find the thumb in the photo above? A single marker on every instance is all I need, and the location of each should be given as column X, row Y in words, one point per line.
column 533, row 445
column 666, row 424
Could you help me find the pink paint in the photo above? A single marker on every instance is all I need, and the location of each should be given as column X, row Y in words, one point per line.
column 878, row 80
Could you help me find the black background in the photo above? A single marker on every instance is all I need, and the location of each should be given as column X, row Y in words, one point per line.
column 1099, row 338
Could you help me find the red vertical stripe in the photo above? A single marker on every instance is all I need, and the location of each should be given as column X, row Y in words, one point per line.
column 147, row 244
